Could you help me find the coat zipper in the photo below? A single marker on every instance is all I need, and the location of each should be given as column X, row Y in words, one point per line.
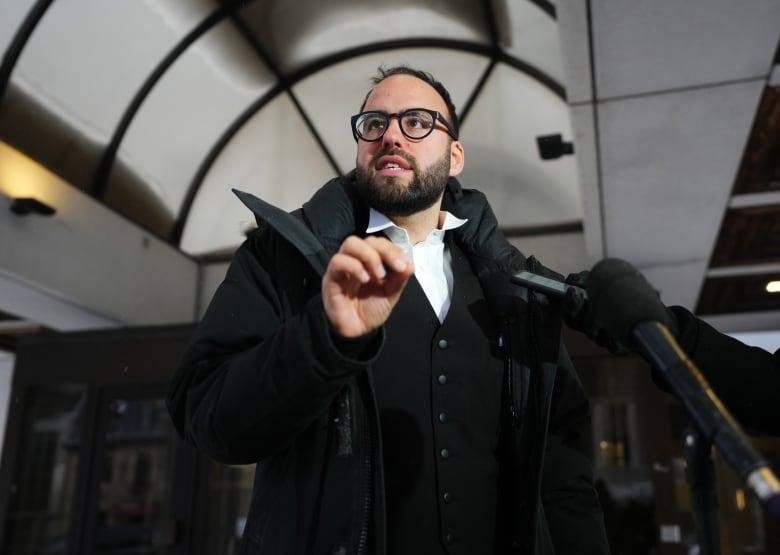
column 366, row 488
column 513, row 380
column 364, row 389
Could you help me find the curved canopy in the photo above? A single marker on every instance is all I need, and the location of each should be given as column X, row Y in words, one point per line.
column 163, row 107
column 135, row 119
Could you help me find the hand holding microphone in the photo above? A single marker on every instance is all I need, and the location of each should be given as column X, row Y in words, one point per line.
column 575, row 308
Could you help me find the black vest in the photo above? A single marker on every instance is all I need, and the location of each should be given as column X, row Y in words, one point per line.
column 438, row 389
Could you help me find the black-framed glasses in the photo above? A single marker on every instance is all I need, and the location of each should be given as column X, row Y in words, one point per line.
column 415, row 123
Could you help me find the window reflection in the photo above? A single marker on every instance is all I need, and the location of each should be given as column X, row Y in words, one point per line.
column 43, row 488
column 134, row 480
column 230, row 491
column 122, row 508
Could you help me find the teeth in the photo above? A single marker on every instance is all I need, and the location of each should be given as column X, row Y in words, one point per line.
column 392, row 166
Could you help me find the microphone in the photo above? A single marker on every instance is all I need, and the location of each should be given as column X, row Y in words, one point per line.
column 629, row 309
column 545, row 285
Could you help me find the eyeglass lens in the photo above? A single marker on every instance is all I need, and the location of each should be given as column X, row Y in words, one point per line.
column 415, row 124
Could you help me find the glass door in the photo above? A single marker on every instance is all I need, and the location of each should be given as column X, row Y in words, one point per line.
column 91, row 463
column 93, row 474
column 41, row 495
column 129, row 489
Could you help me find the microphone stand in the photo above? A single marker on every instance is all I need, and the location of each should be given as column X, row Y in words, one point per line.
column 701, row 478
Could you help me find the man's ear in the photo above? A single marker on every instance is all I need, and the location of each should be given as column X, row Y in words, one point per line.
column 457, row 158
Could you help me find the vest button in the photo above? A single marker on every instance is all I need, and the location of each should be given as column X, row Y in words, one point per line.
column 442, row 417
column 447, row 497
column 449, row 538
column 442, row 379
column 445, row 453
column 443, row 344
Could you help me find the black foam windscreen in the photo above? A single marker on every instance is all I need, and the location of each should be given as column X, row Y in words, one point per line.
column 621, row 297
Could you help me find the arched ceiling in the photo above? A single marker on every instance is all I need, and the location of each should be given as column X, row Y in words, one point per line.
column 160, row 107
column 153, row 110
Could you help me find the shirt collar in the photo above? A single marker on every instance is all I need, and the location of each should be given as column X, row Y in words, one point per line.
column 379, row 222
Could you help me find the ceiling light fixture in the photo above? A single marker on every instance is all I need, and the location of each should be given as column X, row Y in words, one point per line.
column 553, row 146
column 28, row 205
column 773, row 287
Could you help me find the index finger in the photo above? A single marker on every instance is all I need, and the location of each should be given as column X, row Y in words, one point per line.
column 393, row 256
column 376, row 254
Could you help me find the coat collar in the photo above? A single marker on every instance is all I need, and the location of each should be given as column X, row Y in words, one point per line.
column 336, row 211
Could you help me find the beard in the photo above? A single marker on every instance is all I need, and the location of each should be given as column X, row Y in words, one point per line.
column 392, row 197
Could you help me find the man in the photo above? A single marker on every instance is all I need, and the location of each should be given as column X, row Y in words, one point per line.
column 370, row 354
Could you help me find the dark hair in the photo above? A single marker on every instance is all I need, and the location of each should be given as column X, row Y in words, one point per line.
column 384, row 73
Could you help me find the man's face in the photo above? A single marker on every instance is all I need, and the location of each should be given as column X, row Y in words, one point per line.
column 399, row 176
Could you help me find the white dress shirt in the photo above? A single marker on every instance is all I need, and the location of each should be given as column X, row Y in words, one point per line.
column 432, row 262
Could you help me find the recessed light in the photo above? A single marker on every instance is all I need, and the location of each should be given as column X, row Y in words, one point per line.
column 773, row 287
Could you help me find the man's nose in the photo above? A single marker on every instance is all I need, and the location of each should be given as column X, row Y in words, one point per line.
column 393, row 135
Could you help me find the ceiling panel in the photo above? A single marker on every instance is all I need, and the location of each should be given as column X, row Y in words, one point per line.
column 760, row 167
column 530, row 33
column 667, row 44
column 299, row 33
column 502, row 158
column 192, row 105
column 86, row 64
column 13, row 15
column 749, row 236
column 739, row 294
column 747, row 251
column 667, row 159
column 274, row 157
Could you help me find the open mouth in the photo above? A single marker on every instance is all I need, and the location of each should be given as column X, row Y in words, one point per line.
column 392, row 165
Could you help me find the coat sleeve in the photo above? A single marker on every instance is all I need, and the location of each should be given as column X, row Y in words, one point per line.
column 745, row 378
column 261, row 366
column 571, row 504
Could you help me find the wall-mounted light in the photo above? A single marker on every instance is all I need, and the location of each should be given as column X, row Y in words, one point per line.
column 553, row 146
column 29, row 205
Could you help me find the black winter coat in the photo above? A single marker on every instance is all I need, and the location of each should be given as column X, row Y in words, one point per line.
column 745, row 378
column 262, row 381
